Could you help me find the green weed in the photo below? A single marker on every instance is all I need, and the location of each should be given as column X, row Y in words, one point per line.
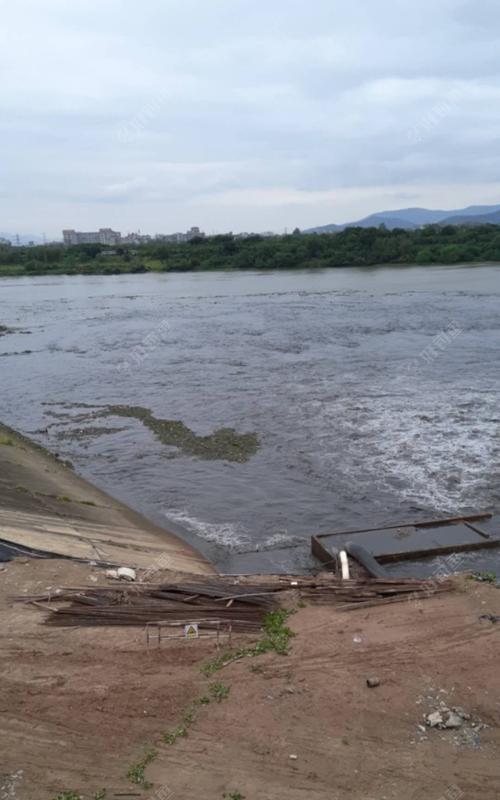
column 219, row 692
column 203, row 701
column 136, row 771
column 484, row 577
column 177, row 733
column 276, row 637
column 68, row 796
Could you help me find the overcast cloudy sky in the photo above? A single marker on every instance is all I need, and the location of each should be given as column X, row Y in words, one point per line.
column 244, row 114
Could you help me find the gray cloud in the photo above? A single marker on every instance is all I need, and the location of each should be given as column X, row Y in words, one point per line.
column 244, row 115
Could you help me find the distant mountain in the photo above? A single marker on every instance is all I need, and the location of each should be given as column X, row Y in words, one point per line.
column 475, row 219
column 412, row 218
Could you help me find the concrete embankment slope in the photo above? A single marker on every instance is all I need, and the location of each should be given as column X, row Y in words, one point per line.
column 46, row 507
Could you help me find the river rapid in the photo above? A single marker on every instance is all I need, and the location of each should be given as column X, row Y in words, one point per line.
column 348, row 397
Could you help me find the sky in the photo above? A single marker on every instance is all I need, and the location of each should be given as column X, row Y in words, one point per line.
column 243, row 115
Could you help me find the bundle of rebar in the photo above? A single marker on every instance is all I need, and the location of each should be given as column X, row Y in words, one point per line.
column 208, row 603
column 217, row 600
column 358, row 593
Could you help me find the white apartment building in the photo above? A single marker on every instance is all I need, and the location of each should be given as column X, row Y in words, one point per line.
column 102, row 236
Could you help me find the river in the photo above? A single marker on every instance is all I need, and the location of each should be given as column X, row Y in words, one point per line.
column 371, row 396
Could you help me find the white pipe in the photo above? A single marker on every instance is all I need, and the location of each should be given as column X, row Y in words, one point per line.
column 344, row 563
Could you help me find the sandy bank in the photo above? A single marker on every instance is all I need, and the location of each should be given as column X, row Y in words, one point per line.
column 46, row 506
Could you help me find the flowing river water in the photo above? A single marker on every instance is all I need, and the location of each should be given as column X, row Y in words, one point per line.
column 246, row 411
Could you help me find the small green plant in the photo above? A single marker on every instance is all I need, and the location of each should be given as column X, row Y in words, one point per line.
column 203, row 701
column 101, row 795
column 136, row 771
column 6, row 441
column 219, row 691
column 277, row 634
column 234, row 796
column 210, row 667
column 65, row 498
column 484, row 577
column 179, row 732
column 301, row 604
column 21, row 488
column 68, row 796
column 276, row 637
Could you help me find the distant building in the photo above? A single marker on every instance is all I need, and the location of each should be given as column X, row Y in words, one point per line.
column 110, row 237
column 136, row 238
column 178, row 238
column 102, row 236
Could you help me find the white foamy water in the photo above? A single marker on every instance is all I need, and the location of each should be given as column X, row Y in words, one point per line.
column 367, row 409
column 231, row 536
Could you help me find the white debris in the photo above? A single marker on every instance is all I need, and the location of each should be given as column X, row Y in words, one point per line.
column 127, row 573
column 112, row 573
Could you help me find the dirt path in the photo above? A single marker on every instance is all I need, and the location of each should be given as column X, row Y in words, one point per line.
column 352, row 741
column 80, row 707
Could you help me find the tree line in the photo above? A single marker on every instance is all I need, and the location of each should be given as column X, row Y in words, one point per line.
column 432, row 244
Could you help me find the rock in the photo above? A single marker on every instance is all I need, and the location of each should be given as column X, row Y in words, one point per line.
column 434, row 719
column 453, row 720
column 293, row 757
column 461, row 712
column 372, row 682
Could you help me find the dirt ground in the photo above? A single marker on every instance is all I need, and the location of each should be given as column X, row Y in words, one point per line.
column 79, row 707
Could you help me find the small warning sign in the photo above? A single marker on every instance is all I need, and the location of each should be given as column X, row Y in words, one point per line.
column 191, row 631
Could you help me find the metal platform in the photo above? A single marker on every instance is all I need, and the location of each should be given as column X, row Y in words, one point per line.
column 414, row 540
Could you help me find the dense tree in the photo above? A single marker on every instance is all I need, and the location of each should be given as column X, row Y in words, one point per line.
column 351, row 247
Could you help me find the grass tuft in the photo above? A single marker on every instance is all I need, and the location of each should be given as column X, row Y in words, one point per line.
column 483, row 577
column 276, row 638
column 178, row 733
column 136, row 771
column 68, row 796
column 219, row 692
